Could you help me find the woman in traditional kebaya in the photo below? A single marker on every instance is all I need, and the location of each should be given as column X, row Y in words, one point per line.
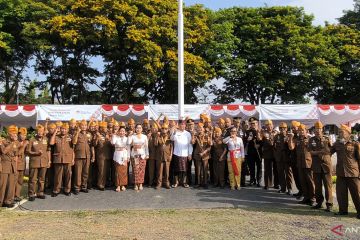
column 121, row 158
column 139, row 154
column 234, row 158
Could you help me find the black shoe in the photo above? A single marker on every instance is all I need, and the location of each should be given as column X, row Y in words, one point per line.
column 17, row 199
column 84, row 190
column 277, row 187
column 307, row 202
column 242, row 185
column 54, row 194
column 76, row 192
column 317, row 206
column 41, row 196
column 328, row 208
column 11, row 205
column 206, row 186
column 258, row 185
column 101, row 189
column 32, row 198
column 341, row 213
column 282, row 191
column 67, row 194
column 197, row 186
column 265, row 188
column 297, row 194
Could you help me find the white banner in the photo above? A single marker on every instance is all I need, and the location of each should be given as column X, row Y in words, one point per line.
column 171, row 111
column 289, row 112
column 67, row 112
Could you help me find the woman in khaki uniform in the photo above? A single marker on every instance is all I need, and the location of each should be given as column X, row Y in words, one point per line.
column 39, row 153
column 219, row 161
column 203, row 142
column 19, row 176
column 9, row 151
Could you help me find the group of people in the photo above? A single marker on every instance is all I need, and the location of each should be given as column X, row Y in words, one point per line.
column 76, row 157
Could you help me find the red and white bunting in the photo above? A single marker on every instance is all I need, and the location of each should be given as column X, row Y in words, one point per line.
column 14, row 110
column 339, row 109
column 123, row 109
column 233, row 110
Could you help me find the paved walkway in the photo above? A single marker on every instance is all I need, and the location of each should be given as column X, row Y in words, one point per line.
column 178, row 198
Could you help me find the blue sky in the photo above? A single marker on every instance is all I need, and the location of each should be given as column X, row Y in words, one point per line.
column 323, row 10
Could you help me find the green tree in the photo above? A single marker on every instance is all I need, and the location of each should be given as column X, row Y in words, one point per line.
column 271, row 55
column 141, row 55
column 15, row 50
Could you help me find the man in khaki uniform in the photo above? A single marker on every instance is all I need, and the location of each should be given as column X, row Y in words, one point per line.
column 190, row 127
column 92, row 179
column 304, row 163
column 84, row 153
column 320, row 146
column 39, row 153
column 72, row 127
column 9, row 151
column 63, row 159
column 19, row 176
column 164, row 149
column 104, row 155
column 267, row 143
column 293, row 161
column 282, row 157
column 347, row 171
column 49, row 178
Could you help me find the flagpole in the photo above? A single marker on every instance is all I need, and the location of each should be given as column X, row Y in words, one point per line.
column 180, row 60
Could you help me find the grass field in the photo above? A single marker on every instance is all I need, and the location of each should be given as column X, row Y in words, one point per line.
column 173, row 224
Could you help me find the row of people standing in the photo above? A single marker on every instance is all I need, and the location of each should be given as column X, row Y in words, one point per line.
column 221, row 153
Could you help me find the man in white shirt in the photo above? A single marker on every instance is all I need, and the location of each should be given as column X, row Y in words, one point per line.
column 182, row 153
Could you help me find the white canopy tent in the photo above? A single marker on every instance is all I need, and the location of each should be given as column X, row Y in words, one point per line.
column 29, row 115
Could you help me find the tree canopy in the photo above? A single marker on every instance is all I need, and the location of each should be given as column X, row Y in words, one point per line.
column 125, row 51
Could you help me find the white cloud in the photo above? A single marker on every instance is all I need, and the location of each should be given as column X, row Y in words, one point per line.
column 324, row 10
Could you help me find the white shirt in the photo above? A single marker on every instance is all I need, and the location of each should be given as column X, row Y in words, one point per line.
column 235, row 144
column 141, row 144
column 122, row 149
column 182, row 143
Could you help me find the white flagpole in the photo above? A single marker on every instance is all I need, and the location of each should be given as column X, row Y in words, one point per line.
column 181, row 60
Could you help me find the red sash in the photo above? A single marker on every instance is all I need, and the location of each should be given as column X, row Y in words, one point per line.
column 233, row 162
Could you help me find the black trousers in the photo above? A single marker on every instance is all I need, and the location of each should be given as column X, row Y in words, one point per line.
column 254, row 160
